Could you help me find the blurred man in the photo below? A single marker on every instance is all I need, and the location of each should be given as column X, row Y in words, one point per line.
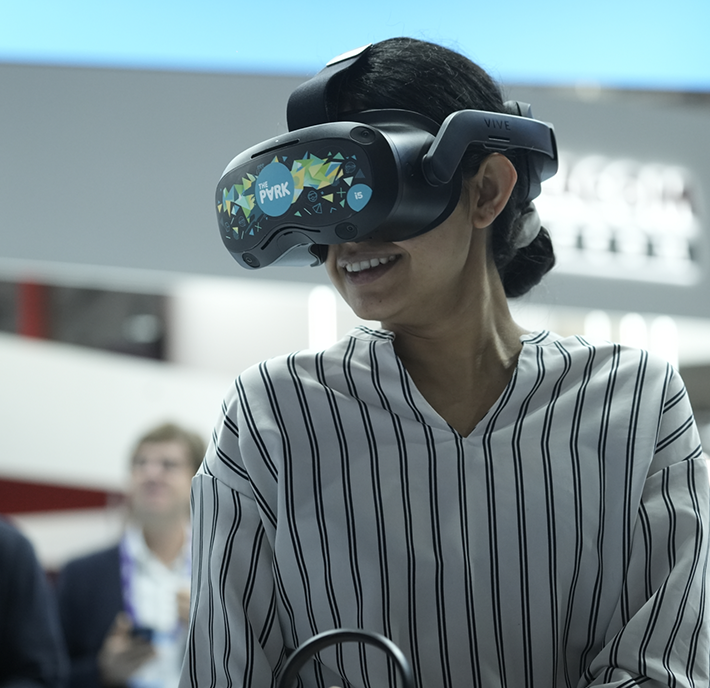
column 31, row 650
column 124, row 609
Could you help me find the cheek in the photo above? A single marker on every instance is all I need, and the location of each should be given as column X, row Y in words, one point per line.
column 440, row 250
column 330, row 266
column 449, row 238
column 330, row 262
column 334, row 275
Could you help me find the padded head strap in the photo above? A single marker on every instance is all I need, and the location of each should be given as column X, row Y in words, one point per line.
column 309, row 103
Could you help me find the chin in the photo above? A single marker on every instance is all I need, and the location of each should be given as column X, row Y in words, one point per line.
column 369, row 315
column 150, row 510
column 369, row 308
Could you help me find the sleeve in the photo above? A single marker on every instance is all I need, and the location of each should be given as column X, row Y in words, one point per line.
column 234, row 638
column 661, row 633
column 32, row 650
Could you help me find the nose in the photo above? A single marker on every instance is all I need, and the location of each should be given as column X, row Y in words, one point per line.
column 153, row 469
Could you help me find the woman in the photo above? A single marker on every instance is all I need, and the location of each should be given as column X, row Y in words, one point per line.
column 510, row 508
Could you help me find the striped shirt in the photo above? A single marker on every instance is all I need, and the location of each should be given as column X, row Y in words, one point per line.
column 562, row 543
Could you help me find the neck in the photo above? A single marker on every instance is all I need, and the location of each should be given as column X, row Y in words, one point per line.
column 462, row 364
column 165, row 539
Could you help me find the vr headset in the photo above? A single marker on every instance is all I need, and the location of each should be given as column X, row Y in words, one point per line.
column 381, row 174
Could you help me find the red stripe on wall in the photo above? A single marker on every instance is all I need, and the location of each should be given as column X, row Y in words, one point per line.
column 21, row 497
column 33, row 310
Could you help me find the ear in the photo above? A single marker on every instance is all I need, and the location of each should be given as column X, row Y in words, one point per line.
column 490, row 189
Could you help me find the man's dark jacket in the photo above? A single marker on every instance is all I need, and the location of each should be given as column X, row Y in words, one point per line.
column 90, row 597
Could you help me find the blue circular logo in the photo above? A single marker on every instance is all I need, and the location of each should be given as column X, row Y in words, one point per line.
column 274, row 189
column 358, row 196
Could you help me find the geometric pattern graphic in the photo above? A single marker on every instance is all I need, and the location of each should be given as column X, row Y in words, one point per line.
column 320, row 185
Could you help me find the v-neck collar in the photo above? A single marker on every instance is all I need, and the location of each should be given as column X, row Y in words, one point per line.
column 411, row 396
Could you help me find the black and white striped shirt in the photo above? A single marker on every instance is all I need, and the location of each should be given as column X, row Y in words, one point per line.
column 562, row 543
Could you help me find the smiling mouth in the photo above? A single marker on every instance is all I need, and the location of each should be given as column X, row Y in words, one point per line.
column 362, row 265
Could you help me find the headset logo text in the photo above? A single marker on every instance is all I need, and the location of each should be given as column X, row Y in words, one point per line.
column 497, row 123
column 274, row 189
column 280, row 190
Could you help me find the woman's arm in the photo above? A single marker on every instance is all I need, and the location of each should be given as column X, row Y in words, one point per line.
column 234, row 637
column 660, row 635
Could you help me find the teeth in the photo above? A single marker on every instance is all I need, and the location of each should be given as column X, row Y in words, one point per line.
column 367, row 264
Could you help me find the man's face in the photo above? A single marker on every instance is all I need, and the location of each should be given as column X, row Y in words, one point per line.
column 161, row 474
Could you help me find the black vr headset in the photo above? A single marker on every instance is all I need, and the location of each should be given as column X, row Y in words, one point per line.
column 384, row 174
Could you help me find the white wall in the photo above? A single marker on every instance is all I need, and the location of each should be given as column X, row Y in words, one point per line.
column 224, row 326
column 70, row 415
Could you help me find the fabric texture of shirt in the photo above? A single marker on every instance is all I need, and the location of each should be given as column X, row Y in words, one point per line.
column 562, row 543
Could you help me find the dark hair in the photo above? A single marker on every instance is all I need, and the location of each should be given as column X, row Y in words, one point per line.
column 415, row 75
column 171, row 432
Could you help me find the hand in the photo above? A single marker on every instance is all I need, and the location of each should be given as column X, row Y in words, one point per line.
column 183, row 603
column 122, row 654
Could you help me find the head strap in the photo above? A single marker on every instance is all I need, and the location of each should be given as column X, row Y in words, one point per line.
column 309, row 103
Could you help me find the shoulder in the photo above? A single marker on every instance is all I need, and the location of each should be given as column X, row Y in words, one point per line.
column 301, row 366
column 631, row 392
column 90, row 582
column 88, row 564
column 12, row 541
column 271, row 403
column 600, row 370
column 598, row 353
column 17, row 554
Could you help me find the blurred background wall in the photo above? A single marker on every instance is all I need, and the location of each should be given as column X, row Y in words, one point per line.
column 119, row 307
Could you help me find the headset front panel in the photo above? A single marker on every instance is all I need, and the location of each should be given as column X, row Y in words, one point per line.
column 329, row 182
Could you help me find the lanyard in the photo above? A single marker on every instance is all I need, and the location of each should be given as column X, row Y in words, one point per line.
column 129, row 569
